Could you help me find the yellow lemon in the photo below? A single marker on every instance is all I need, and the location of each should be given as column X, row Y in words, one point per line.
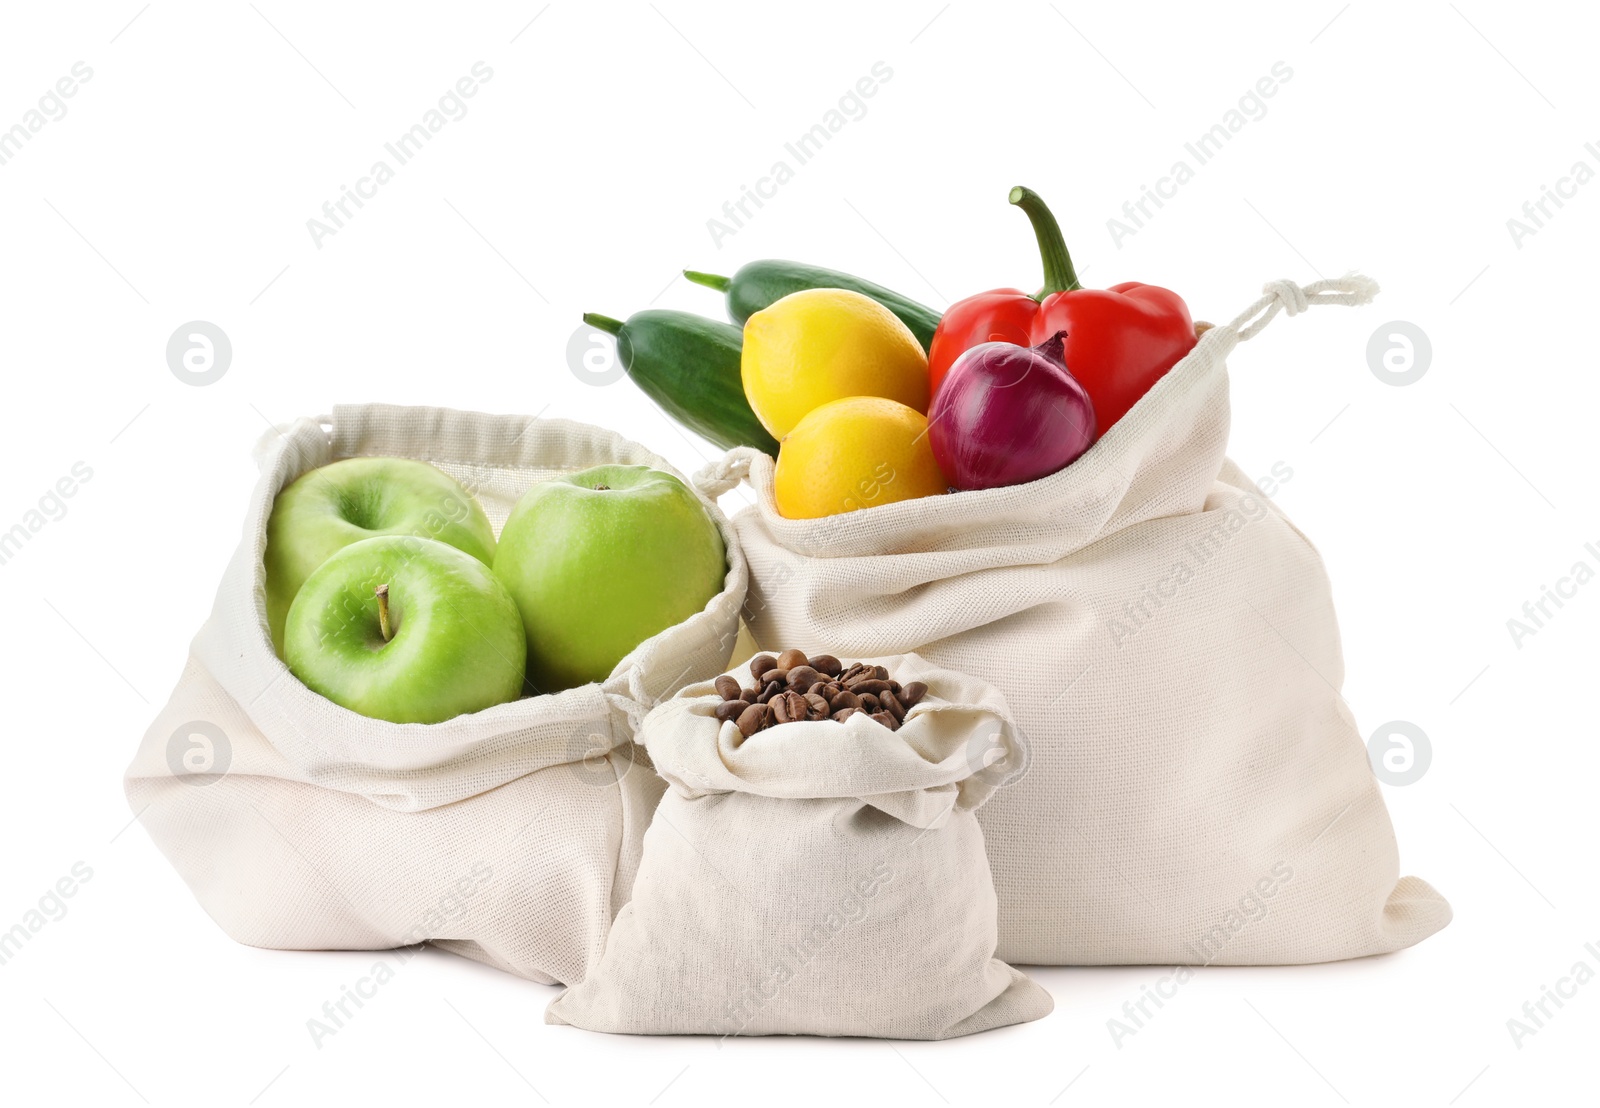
column 818, row 345
column 858, row 452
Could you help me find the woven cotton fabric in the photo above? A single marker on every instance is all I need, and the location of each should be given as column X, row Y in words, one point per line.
column 1165, row 637
column 509, row 835
column 818, row 878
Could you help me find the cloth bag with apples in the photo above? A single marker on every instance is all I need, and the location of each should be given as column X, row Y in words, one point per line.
column 509, row 835
column 1199, row 791
column 817, row 878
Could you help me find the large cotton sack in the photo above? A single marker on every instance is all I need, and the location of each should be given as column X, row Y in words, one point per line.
column 509, row 835
column 1199, row 790
column 818, row 878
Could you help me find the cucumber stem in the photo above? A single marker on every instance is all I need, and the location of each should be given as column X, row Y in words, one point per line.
column 1059, row 275
column 603, row 322
column 709, row 280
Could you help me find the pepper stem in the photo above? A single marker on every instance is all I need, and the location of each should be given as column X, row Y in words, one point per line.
column 383, row 611
column 709, row 280
column 603, row 322
column 1059, row 276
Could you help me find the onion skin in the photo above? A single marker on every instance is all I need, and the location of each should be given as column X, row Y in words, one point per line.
column 1007, row 414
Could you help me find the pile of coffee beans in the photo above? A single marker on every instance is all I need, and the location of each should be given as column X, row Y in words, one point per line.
column 793, row 687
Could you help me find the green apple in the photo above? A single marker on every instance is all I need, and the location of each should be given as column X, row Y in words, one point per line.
column 359, row 498
column 408, row 630
column 599, row 561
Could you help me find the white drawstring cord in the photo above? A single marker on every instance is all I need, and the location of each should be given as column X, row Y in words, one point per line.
column 1352, row 290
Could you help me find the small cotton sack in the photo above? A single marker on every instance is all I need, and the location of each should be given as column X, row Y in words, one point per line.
column 1199, row 791
column 818, row 878
column 509, row 835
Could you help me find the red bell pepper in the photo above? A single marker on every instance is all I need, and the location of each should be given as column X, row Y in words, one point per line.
column 1119, row 340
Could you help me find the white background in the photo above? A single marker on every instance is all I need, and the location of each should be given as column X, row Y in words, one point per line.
column 178, row 185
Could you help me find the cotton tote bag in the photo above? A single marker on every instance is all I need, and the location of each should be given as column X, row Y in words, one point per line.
column 817, row 878
column 509, row 835
column 1199, row 791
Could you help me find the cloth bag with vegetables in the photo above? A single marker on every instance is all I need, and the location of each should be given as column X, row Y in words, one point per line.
column 1199, row 790
column 816, row 877
column 509, row 835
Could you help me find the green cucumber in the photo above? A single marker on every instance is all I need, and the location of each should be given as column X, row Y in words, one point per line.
column 689, row 365
column 759, row 285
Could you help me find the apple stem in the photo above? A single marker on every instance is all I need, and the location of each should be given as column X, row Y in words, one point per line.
column 382, row 592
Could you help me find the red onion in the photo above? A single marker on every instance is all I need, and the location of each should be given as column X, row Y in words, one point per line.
column 1007, row 414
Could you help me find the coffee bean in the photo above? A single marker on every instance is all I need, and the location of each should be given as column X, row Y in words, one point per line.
column 731, row 709
column 801, row 678
column 891, row 704
column 793, row 687
column 752, row 719
column 826, row 663
column 789, row 707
